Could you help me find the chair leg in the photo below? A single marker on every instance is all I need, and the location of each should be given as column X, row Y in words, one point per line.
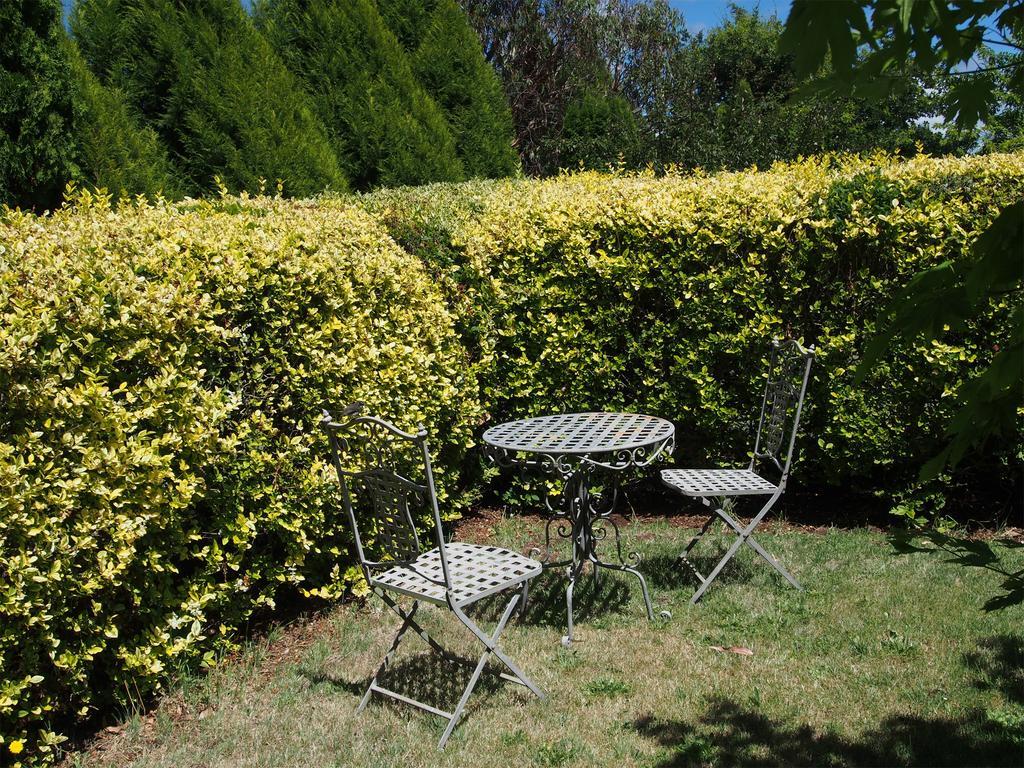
column 684, row 556
column 490, row 643
column 491, row 648
column 414, row 625
column 717, row 570
column 409, row 620
column 454, row 719
column 698, row 537
column 744, row 536
column 752, row 542
column 756, row 546
column 436, row 646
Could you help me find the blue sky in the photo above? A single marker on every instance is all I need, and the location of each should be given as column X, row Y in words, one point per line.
column 699, row 14
column 706, row 14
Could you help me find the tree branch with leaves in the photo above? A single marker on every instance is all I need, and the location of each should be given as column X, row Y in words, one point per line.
column 873, row 45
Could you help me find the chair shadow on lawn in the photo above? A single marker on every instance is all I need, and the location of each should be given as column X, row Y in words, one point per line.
column 426, row 676
column 432, row 679
column 668, row 571
column 731, row 733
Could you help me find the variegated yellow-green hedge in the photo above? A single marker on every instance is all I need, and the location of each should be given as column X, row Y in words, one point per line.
column 162, row 368
column 659, row 294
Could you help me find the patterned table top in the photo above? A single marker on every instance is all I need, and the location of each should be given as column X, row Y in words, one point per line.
column 580, row 433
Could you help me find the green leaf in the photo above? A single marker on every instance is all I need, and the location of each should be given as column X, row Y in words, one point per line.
column 989, row 402
column 813, row 29
column 1000, row 254
column 970, row 99
column 906, row 8
column 933, row 300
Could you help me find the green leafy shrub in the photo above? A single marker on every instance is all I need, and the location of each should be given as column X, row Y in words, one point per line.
column 425, row 221
column 659, row 294
column 162, row 366
column 162, row 369
column 36, row 138
column 600, row 130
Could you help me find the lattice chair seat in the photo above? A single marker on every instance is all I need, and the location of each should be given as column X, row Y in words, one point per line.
column 717, row 482
column 476, row 571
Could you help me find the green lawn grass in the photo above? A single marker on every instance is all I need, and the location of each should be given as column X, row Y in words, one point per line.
column 883, row 660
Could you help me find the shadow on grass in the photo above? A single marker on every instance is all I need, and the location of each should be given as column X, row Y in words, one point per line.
column 546, row 606
column 439, row 681
column 970, row 553
column 432, row 679
column 730, row 733
column 998, row 663
column 669, row 572
column 735, row 735
column 427, row 677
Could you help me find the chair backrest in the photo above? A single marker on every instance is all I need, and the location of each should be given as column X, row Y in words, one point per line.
column 375, row 461
column 789, row 370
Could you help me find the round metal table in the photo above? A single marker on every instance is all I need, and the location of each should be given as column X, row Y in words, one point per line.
column 575, row 448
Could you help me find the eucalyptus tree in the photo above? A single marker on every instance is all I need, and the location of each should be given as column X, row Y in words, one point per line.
column 551, row 54
column 732, row 94
column 1003, row 128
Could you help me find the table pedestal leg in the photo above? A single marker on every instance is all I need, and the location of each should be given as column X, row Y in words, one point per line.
column 588, row 528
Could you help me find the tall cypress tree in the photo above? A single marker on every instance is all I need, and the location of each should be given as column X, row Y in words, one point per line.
column 449, row 63
column 36, row 111
column 113, row 150
column 383, row 124
column 212, row 88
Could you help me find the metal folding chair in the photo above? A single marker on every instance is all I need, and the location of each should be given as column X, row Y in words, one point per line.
column 372, row 458
column 788, row 373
